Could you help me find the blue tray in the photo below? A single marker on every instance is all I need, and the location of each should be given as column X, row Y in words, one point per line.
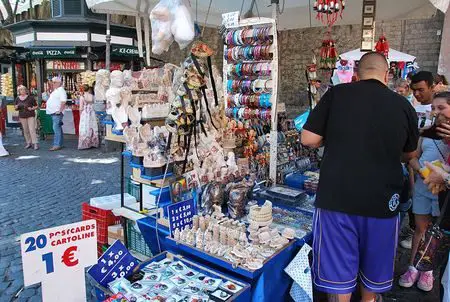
column 244, row 295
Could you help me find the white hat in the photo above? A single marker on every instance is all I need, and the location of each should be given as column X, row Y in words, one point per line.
column 56, row 79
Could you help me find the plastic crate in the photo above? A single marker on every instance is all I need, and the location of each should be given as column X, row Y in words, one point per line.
column 133, row 188
column 104, row 219
column 135, row 240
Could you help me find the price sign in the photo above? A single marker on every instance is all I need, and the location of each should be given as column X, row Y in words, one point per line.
column 181, row 214
column 230, row 19
column 58, row 256
column 115, row 263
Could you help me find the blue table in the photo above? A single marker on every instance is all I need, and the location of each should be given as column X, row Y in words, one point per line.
column 269, row 283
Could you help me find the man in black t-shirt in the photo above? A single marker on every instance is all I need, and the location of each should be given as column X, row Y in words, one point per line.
column 365, row 128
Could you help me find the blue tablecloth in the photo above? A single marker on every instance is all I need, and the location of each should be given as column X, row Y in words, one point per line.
column 270, row 283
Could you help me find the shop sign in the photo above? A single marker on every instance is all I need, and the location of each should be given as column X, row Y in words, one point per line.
column 124, row 51
column 112, row 66
column 116, row 262
column 57, row 257
column 65, row 65
column 53, row 53
column 180, row 215
column 230, row 19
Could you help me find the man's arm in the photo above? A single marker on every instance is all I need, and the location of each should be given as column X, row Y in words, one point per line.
column 313, row 132
column 63, row 99
column 311, row 139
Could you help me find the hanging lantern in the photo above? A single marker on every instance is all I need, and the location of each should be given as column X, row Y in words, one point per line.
column 328, row 54
column 330, row 9
column 382, row 46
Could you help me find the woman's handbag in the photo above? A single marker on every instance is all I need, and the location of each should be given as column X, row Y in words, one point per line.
column 429, row 244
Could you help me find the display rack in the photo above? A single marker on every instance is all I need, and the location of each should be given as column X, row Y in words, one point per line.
column 251, row 23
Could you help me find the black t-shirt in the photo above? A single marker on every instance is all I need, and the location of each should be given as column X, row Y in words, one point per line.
column 366, row 128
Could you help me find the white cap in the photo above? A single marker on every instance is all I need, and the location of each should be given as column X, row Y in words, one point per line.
column 56, row 79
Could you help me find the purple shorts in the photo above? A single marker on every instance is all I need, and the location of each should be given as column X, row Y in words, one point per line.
column 346, row 247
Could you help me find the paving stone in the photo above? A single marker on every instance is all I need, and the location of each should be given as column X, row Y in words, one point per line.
column 4, row 286
column 50, row 197
column 28, row 293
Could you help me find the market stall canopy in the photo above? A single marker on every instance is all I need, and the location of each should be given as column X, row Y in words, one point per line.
column 394, row 56
column 295, row 13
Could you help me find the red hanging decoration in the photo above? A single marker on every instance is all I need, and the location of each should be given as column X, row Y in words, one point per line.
column 329, row 8
column 382, row 46
column 328, row 54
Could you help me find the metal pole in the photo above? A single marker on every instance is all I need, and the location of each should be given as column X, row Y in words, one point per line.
column 274, row 130
column 108, row 43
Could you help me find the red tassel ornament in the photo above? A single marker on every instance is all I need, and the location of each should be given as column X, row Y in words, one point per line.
column 382, row 46
column 329, row 10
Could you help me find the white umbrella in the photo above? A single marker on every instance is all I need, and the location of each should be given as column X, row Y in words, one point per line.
column 394, row 55
column 295, row 13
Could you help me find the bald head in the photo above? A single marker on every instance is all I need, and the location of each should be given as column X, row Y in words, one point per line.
column 373, row 65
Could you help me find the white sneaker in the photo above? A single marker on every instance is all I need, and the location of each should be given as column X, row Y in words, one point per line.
column 406, row 243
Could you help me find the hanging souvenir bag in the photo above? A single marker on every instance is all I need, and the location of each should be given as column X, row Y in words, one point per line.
column 425, row 259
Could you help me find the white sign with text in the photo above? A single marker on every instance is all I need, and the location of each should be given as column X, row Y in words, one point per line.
column 230, row 19
column 56, row 257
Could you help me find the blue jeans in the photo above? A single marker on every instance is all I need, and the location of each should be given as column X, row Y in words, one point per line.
column 57, row 129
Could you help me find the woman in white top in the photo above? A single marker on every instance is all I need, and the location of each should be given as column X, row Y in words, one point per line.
column 88, row 129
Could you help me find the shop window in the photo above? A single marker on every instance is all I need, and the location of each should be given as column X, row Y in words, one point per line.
column 56, row 8
column 72, row 7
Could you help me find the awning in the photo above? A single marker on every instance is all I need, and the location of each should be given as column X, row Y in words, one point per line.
column 296, row 13
column 124, row 51
column 53, row 53
column 394, row 56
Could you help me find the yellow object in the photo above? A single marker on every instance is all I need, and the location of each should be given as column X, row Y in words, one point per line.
column 425, row 171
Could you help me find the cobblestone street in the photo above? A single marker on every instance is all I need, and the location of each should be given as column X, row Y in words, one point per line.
column 41, row 189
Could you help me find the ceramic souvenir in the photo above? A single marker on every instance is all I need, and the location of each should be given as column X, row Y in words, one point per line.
column 176, row 234
column 202, row 223
column 207, row 220
column 119, row 116
column 199, row 239
column 195, row 222
column 101, row 84
column 134, row 115
column 146, row 133
column 216, row 232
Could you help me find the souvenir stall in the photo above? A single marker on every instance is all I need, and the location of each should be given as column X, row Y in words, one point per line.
column 204, row 176
column 401, row 64
column 201, row 165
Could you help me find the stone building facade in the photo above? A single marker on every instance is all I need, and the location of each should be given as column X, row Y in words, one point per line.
column 419, row 38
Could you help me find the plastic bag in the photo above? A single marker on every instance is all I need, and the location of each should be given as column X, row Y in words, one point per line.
column 182, row 26
column 171, row 19
column 161, row 20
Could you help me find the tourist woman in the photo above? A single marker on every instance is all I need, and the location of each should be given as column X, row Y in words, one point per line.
column 26, row 105
column 88, row 130
column 439, row 178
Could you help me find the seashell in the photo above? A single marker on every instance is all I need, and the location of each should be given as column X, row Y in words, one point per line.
column 264, row 237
